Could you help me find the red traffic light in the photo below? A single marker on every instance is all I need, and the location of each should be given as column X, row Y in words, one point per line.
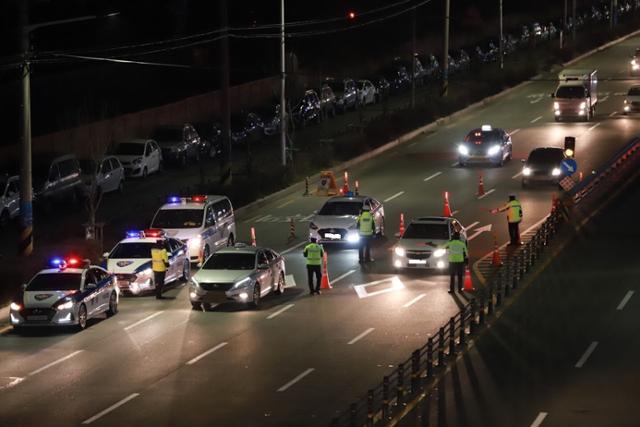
column 351, row 15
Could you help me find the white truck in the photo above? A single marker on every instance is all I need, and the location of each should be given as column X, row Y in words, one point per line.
column 576, row 95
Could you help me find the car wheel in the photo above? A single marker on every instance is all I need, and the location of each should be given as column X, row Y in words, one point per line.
column 82, row 317
column 280, row 285
column 121, row 187
column 255, row 301
column 4, row 218
column 231, row 240
column 205, row 253
column 196, row 306
column 186, row 270
column 145, row 172
column 113, row 305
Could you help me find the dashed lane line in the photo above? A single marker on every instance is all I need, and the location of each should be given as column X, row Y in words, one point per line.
column 594, row 126
column 141, row 321
column 296, row 379
column 288, row 202
column 432, row 176
column 539, row 419
column 55, row 362
column 604, row 99
column 282, row 310
column 536, row 119
column 624, row 301
column 513, row 132
column 398, row 194
column 362, row 335
column 516, row 176
column 613, row 114
column 455, row 212
column 413, row 301
column 486, row 194
column 253, row 218
column 206, row 353
column 111, row 408
column 586, row 354
column 296, row 246
column 342, row 276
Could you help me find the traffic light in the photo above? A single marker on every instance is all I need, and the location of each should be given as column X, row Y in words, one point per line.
column 569, row 146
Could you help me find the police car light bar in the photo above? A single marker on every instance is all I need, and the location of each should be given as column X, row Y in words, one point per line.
column 133, row 234
column 198, row 199
column 153, row 232
column 73, row 262
column 174, row 199
column 57, row 262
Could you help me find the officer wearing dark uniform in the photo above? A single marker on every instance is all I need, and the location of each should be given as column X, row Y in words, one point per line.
column 458, row 257
column 159, row 264
column 313, row 252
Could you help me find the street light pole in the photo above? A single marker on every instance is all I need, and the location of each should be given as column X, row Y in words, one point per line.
column 573, row 27
column 445, row 54
column 283, row 82
column 413, row 58
column 501, row 41
column 225, row 164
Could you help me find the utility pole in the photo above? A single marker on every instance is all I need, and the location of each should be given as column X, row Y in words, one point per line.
column 575, row 24
column 25, row 244
column 445, row 53
column 613, row 15
column 501, row 40
column 413, row 58
column 225, row 165
column 283, row 83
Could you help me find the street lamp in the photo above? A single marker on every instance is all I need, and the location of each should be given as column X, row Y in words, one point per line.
column 25, row 245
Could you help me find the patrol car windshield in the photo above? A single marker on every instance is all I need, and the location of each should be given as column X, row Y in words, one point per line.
column 230, row 261
column 178, row 218
column 55, row 282
column 546, row 157
column 133, row 250
column 341, row 208
column 569, row 92
column 130, row 149
column 427, row 231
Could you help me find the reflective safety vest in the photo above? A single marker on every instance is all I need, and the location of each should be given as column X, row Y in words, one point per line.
column 159, row 260
column 365, row 223
column 457, row 250
column 514, row 211
column 313, row 252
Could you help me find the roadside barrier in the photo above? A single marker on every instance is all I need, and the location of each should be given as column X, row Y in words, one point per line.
column 401, row 389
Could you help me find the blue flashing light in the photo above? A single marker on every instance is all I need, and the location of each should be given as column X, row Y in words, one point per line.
column 133, row 234
column 56, row 262
column 174, row 199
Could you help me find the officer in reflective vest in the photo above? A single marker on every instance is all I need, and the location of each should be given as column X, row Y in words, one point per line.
column 159, row 264
column 366, row 230
column 458, row 257
column 514, row 216
column 313, row 252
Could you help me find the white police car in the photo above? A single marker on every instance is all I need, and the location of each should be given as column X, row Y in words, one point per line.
column 130, row 261
column 69, row 293
column 204, row 223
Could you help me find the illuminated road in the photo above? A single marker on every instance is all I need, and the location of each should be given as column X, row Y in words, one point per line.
column 300, row 360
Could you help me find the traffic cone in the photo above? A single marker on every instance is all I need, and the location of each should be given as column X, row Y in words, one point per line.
column 345, row 186
column 468, row 285
column 480, row 186
column 495, row 259
column 306, row 187
column 401, row 230
column 580, row 175
column 292, row 230
column 253, row 236
column 447, row 208
column 554, row 202
column 357, row 189
column 324, row 283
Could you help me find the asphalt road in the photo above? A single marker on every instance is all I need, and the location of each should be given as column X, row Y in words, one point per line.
column 300, row 360
column 565, row 353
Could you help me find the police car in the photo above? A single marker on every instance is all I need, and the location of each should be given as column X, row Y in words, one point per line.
column 130, row 261
column 204, row 223
column 69, row 293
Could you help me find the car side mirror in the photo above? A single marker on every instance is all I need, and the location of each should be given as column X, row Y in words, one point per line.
column 552, row 95
column 263, row 267
column 23, row 286
column 91, row 286
column 105, row 255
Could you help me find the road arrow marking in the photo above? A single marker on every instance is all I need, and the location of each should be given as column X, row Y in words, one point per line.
column 470, row 226
column 361, row 290
column 479, row 231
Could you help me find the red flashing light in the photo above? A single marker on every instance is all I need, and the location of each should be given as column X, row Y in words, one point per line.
column 72, row 262
column 153, row 232
column 198, row 199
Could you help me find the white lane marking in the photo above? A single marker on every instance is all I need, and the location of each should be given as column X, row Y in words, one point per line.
column 604, row 99
column 613, row 114
column 455, row 212
column 296, row 246
column 253, row 218
column 486, row 194
column 586, row 354
column 398, row 194
column 149, row 317
column 206, row 353
column 282, row 310
column 342, row 276
column 286, row 203
column 415, row 300
column 535, row 101
column 264, row 218
column 55, row 362
column 396, row 285
column 619, row 93
column 539, row 419
column 362, row 335
column 513, row 132
column 470, row 226
column 625, row 300
column 536, row 119
column 432, row 176
column 516, row 175
column 296, row 379
column 13, row 381
column 453, row 165
column 594, row 126
column 307, row 218
column 479, row 231
column 111, row 408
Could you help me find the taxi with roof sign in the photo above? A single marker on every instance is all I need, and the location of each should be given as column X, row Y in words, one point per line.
column 130, row 261
column 69, row 293
column 204, row 223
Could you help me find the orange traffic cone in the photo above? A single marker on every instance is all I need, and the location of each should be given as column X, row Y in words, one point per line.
column 253, row 236
column 401, row 229
column 447, row 208
column 345, row 186
column 495, row 259
column 580, row 175
column 292, row 230
column 480, row 186
column 468, row 285
column 324, row 283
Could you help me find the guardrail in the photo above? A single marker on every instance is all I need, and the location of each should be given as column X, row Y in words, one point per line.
column 420, row 371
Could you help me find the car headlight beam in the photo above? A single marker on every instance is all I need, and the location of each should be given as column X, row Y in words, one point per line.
column 556, row 105
column 526, row 171
column 493, row 150
column 65, row 305
column 400, row 251
column 463, row 149
column 15, row 306
column 438, row 253
column 556, row 172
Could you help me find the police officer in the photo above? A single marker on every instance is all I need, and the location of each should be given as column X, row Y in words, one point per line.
column 159, row 264
column 514, row 217
column 313, row 252
column 366, row 230
column 458, row 257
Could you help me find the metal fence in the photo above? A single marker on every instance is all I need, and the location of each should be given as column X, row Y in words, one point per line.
column 389, row 398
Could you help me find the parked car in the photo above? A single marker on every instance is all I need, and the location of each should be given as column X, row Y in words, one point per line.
column 246, row 128
column 179, row 144
column 308, row 109
column 346, row 93
column 383, row 87
column 367, row 92
column 270, row 116
column 327, row 101
column 107, row 174
column 210, row 138
column 56, row 179
column 398, row 78
column 419, row 73
column 9, row 198
column 140, row 157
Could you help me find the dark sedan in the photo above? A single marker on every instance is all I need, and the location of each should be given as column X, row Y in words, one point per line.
column 543, row 165
column 179, row 144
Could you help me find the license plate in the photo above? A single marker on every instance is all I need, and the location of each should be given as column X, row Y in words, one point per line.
column 123, row 283
column 38, row 317
column 418, row 261
column 332, row 236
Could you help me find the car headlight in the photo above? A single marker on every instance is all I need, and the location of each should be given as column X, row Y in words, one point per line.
column 634, row 62
column 626, row 101
column 556, row 105
column 15, row 306
column 556, row 172
column 65, row 305
column 494, row 150
column 400, row 251
column 353, row 237
column 195, row 242
column 526, row 171
column 583, row 105
column 313, row 226
column 462, row 149
column 137, row 161
column 439, row 252
column 241, row 283
column 635, row 67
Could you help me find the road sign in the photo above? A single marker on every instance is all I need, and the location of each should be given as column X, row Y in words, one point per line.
column 567, row 183
column 568, row 167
